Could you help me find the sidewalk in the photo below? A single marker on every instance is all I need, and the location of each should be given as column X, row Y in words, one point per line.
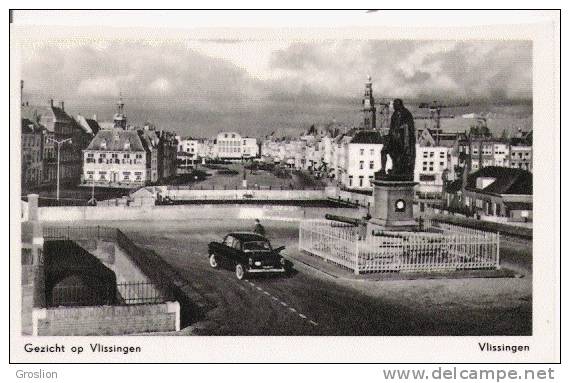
column 320, row 265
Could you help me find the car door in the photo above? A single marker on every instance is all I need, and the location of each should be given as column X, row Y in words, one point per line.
column 226, row 251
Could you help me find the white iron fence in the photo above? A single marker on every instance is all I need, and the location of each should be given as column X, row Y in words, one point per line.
column 439, row 247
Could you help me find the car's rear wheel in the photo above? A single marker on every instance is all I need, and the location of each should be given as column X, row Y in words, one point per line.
column 214, row 261
column 240, row 271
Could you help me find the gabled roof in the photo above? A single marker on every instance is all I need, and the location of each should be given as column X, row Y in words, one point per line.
column 115, row 140
column 507, row 180
column 30, row 127
column 367, row 137
column 60, row 114
column 88, row 125
column 149, row 138
column 94, row 125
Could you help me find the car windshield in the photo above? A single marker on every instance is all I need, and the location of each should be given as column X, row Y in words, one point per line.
column 257, row 246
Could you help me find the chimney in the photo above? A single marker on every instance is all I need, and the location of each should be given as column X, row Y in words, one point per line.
column 61, row 105
column 51, row 102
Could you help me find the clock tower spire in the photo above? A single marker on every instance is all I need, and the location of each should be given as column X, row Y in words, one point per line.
column 368, row 107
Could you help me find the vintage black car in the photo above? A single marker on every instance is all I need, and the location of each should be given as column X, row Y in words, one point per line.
column 247, row 253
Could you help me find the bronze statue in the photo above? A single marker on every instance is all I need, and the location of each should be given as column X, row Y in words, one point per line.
column 400, row 145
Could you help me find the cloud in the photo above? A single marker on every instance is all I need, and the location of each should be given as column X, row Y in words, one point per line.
column 414, row 69
column 100, row 86
column 160, row 85
column 200, row 87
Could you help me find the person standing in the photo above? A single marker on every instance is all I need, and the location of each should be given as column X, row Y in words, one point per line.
column 259, row 229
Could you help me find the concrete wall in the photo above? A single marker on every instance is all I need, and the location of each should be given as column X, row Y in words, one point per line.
column 244, row 194
column 183, row 212
column 106, row 320
column 360, row 199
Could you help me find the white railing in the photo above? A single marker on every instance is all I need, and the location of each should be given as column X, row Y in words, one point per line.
column 440, row 247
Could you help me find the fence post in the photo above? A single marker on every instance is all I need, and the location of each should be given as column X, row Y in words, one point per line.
column 498, row 237
column 356, row 268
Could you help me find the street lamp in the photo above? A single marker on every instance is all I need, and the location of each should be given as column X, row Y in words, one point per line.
column 58, row 142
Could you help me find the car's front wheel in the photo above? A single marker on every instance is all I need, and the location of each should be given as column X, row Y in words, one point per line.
column 214, row 261
column 240, row 271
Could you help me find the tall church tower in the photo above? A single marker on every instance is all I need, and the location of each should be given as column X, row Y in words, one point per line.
column 120, row 119
column 368, row 107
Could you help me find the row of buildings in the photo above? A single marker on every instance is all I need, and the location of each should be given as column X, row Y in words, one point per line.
column 225, row 146
column 86, row 152
column 48, row 135
column 352, row 156
column 349, row 157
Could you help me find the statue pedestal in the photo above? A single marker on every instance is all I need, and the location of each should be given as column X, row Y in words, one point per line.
column 393, row 206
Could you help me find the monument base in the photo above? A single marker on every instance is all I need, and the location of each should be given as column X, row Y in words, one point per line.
column 393, row 206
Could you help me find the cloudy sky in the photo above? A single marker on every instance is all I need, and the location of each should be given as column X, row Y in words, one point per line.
column 198, row 87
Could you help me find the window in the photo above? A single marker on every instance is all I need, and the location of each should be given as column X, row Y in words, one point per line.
column 425, row 154
column 371, row 152
column 370, row 180
column 441, row 164
column 361, row 152
column 441, row 154
column 431, row 154
column 349, row 180
column 361, row 164
column 371, row 164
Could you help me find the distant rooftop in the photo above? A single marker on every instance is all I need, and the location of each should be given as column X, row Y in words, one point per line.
column 367, row 137
column 116, row 140
column 507, row 180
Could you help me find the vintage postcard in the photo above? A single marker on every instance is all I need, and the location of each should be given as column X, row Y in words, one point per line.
column 366, row 190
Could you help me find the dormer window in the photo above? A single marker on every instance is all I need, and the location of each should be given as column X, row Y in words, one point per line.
column 103, row 144
column 127, row 145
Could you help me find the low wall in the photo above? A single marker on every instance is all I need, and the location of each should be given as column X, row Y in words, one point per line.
column 125, row 269
column 357, row 198
column 106, row 320
column 286, row 195
column 183, row 212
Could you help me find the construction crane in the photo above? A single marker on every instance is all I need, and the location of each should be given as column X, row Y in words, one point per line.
column 384, row 114
column 435, row 108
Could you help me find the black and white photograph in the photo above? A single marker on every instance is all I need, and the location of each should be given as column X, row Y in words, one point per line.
column 173, row 183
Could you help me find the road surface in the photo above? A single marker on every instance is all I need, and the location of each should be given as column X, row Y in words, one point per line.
column 311, row 303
